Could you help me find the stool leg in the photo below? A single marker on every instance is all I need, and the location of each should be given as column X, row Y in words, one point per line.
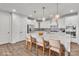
column 43, row 50
column 49, row 52
column 30, row 46
column 36, row 49
column 26, row 44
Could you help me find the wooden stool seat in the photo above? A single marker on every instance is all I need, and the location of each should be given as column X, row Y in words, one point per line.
column 55, row 49
column 39, row 44
column 54, row 46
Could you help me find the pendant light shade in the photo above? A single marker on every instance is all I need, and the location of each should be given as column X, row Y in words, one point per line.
column 57, row 14
column 43, row 18
column 34, row 15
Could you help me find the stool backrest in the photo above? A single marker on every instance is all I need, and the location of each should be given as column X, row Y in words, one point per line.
column 29, row 37
column 33, row 39
column 45, row 43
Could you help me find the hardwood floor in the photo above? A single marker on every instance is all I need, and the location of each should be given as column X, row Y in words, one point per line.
column 74, row 49
column 17, row 49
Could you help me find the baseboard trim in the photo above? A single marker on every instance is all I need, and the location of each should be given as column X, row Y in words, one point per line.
column 1, row 43
column 17, row 41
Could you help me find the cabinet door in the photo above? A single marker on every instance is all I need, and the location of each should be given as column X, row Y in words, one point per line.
column 4, row 27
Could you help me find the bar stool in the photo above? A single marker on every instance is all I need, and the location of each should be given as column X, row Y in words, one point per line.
column 29, row 42
column 44, row 45
column 54, row 46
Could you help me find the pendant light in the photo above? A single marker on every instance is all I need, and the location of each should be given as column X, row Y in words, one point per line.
column 57, row 16
column 34, row 15
column 43, row 18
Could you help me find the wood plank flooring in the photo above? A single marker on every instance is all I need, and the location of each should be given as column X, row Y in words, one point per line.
column 74, row 49
column 17, row 49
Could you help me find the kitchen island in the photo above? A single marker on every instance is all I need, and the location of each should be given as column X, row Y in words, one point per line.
column 64, row 39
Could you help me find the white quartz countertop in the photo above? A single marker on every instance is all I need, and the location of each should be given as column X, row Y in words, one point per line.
column 64, row 39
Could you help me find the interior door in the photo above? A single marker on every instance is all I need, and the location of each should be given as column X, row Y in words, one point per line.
column 4, row 27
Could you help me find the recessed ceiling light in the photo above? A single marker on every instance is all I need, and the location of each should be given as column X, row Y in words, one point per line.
column 14, row 10
column 71, row 10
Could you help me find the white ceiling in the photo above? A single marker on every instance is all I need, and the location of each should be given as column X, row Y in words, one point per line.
column 51, row 8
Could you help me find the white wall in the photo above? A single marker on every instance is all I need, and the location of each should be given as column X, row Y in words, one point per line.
column 18, row 28
column 61, row 23
column 35, row 24
column 72, row 20
column 15, row 22
column 45, row 24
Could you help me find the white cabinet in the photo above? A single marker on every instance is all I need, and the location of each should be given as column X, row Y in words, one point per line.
column 45, row 24
column 5, row 27
column 61, row 23
column 73, row 21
